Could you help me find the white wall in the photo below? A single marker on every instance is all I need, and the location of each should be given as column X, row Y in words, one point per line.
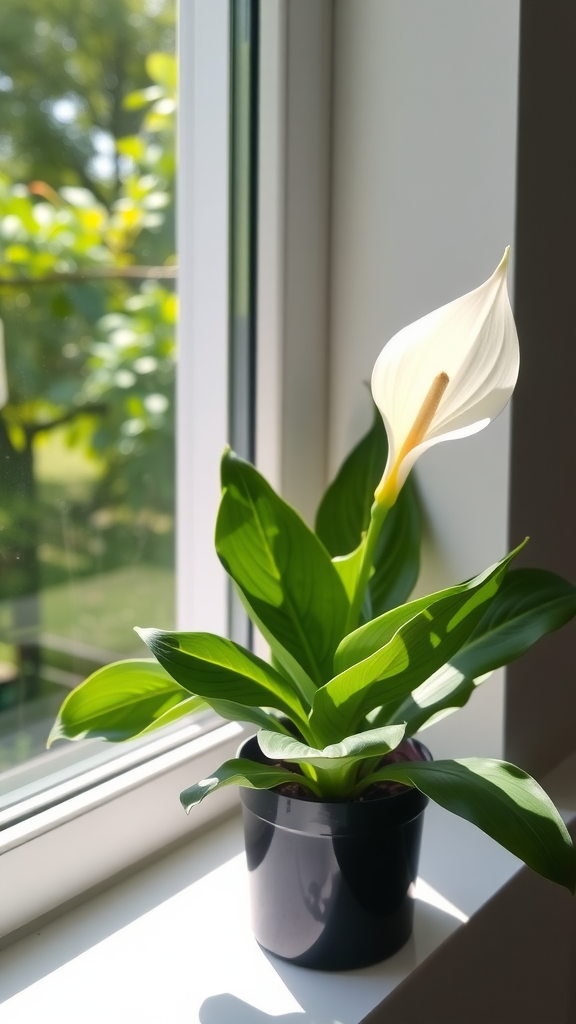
column 294, row 176
column 424, row 149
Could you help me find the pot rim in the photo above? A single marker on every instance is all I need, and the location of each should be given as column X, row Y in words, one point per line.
column 331, row 817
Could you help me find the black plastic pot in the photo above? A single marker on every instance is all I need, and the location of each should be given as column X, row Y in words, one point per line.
column 332, row 882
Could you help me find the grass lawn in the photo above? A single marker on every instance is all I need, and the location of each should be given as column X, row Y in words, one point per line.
column 99, row 611
column 102, row 610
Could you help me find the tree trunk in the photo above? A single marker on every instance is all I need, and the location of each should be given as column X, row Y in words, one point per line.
column 20, row 581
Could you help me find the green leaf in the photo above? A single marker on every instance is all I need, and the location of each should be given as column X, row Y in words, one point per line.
column 241, row 713
column 282, row 660
column 132, row 145
column 220, row 670
column 529, row 604
column 282, row 568
column 141, row 97
column 372, row 743
column 185, row 707
column 240, row 771
column 417, row 649
column 344, row 515
column 161, row 68
column 348, row 569
column 372, row 636
column 503, row 801
column 344, row 512
column 122, row 700
column 447, row 690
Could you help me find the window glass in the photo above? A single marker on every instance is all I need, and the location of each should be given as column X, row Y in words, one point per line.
column 87, row 365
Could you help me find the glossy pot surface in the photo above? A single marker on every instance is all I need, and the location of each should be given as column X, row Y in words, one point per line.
column 331, row 882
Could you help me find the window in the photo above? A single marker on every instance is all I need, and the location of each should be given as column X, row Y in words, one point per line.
column 155, row 775
column 88, row 303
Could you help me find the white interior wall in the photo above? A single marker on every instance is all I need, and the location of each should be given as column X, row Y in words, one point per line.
column 423, row 197
column 293, row 243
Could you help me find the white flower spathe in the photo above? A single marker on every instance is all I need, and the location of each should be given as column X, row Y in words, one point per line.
column 445, row 376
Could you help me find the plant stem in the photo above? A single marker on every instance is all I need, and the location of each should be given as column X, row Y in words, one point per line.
column 377, row 518
column 331, row 783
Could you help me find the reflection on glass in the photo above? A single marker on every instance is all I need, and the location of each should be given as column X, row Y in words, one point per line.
column 87, row 268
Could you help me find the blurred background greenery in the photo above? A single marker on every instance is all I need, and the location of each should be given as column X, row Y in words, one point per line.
column 87, row 271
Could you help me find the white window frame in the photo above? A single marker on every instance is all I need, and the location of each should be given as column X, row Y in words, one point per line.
column 56, row 855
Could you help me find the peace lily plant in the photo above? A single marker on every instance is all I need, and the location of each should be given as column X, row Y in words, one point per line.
column 356, row 666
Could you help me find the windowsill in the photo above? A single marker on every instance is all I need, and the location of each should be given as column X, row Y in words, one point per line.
column 173, row 942
column 116, row 824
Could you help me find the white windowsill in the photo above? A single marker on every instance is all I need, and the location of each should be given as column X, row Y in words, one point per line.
column 173, row 943
column 183, row 926
column 115, row 824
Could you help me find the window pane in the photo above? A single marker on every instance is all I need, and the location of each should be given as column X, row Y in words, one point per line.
column 87, row 299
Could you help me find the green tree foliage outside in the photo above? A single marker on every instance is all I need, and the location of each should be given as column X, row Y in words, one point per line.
column 87, row 101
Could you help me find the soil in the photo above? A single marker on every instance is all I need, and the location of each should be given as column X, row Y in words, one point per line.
column 407, row 751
